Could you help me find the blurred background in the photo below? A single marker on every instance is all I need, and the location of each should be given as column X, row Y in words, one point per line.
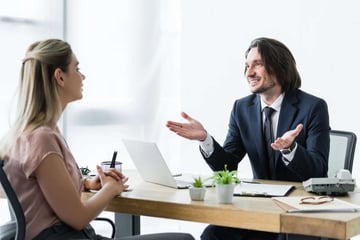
column 147, row 60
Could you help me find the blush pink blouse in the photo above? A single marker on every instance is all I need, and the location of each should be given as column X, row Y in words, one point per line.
column 24, row 158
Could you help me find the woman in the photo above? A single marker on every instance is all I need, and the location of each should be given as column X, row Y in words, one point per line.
column 39, row 163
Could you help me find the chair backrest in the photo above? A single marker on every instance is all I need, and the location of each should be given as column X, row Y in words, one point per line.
column 342, row 149
column 14, row 204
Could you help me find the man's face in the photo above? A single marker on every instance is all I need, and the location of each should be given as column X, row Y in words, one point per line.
column 259, row 80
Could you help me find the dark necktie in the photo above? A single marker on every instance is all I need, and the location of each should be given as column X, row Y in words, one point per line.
column 269, row 138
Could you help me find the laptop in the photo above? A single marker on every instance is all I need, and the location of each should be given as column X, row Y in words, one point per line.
column 151, row 165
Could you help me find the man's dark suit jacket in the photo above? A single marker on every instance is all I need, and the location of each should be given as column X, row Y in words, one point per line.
column 245, row 136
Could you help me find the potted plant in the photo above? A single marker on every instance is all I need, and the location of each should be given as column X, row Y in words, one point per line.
column 225, row 181
column 197, row 189
column 84, row 171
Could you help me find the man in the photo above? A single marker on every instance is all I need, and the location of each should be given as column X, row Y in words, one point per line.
column 291, row 144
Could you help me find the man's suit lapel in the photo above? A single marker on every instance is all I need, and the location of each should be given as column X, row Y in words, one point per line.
column 254, row 112
column 287, row 113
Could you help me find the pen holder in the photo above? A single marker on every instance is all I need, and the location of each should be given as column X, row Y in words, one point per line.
column 106, row 165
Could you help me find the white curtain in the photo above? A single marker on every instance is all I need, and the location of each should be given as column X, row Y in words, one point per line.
column 21, row 23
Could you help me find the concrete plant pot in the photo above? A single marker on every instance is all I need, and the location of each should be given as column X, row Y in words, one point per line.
column 225, row 193
column 197, row 193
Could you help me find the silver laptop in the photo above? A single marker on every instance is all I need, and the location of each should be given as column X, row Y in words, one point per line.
column 151, row 165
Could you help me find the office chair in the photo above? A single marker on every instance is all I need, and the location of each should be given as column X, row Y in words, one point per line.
column 112, row 224
column 15, row 229
column 342, row 149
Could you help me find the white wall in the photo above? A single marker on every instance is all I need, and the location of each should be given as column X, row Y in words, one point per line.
column 146, row 61
column 323, row 36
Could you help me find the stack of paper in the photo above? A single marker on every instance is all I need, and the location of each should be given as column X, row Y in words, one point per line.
column 262, row 190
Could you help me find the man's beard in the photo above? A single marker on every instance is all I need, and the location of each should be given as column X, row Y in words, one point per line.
column 264, row 88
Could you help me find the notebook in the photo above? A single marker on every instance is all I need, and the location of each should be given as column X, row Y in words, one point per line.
column 151, row 165
column 296, row 205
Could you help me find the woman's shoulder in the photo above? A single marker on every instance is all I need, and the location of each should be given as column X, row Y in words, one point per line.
column 43, row 130
column 43, row 134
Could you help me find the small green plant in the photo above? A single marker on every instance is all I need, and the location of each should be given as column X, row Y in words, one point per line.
column 84, row 171
column 225, row 176
column 198, row 182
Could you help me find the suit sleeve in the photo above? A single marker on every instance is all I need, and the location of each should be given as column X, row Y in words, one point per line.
column 234, row 152
column 311, row 157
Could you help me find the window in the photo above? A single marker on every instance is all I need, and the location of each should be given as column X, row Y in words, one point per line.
column 21, row 23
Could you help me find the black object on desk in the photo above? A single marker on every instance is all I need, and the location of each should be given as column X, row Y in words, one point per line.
column 112, row 165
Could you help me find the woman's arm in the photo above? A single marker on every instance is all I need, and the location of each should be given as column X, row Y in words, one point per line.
column 62, row 195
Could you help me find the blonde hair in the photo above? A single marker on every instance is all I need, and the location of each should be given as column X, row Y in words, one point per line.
column 38, row 99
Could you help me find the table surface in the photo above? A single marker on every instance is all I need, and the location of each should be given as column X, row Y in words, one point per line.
column 257, row 213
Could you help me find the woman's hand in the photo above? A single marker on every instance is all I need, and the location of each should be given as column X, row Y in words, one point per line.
column 95, row 182
column 113, row 179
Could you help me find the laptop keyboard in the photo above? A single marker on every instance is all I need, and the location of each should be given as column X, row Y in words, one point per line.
column 182, row 183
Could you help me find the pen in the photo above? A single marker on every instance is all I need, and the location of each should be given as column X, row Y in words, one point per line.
column 250, row 194
column 251, row 182
column 112, row 165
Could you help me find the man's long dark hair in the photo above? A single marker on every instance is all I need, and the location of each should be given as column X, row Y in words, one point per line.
column 278, row 61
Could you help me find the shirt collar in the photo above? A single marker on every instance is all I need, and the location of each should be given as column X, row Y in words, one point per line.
column 276, row 105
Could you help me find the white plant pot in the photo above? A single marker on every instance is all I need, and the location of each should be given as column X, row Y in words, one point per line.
column 197, row 194
column 225, row 192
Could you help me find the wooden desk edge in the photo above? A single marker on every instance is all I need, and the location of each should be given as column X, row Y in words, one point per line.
column 196, row 213
column 333, row 228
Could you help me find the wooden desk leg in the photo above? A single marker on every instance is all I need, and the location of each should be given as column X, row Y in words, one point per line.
column 126, row 225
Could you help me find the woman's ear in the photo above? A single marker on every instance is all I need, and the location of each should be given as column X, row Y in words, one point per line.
column 58, row 77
